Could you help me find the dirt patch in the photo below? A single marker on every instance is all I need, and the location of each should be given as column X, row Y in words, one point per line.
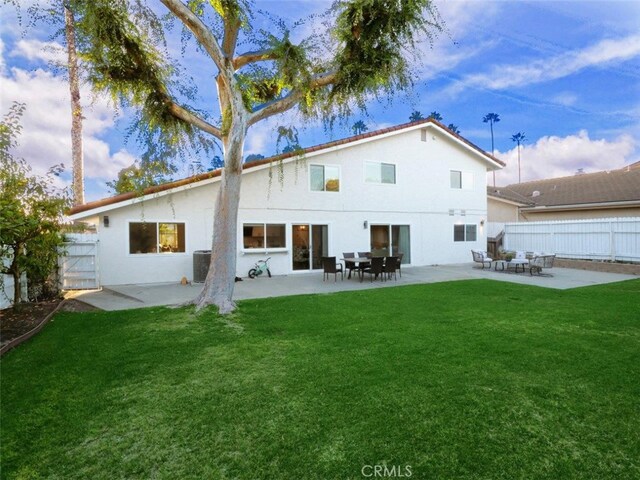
column 15, row 322
column 610, row 267
column 18, row 321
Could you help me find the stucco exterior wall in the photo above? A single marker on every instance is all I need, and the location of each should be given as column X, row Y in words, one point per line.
column 421, row 198
column 502, row 212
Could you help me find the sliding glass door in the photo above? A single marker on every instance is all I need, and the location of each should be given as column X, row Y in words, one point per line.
column 391, row 240
column 310, row 244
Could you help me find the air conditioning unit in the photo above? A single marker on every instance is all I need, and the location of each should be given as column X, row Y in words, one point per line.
column 201, row 260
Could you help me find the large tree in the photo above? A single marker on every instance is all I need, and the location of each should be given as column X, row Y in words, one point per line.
column 31, row 209
column 76, row 107
column 519, row 138
column 492, row 118
column 257, row 72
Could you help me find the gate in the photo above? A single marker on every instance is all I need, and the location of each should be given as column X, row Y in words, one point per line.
column 79, row 263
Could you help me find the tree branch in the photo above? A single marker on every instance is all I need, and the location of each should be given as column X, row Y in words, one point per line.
column 251, row 57
column 199, row 29
column 184, row 114
column 288, row 101
column 231, row 29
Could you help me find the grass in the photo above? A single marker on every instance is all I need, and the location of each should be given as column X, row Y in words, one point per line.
column 471, row 379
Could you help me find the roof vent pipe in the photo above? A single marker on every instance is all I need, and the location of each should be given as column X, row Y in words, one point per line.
column 535, row 193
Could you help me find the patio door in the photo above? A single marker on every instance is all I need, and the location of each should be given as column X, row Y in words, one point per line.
column 310, row 244
column 391, row 240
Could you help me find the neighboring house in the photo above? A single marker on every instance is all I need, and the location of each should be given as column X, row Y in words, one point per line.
column 613, row 193
column 415, row 188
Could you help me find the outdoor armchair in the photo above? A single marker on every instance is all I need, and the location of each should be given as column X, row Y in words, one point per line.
column 537, row 263
column 481, row 257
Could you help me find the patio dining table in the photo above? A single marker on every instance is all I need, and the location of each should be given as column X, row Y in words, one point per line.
column 359, row 261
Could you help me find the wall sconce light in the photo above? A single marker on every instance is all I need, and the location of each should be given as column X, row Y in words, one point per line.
column 105, row 221
column 482, row 222
column 365, row 224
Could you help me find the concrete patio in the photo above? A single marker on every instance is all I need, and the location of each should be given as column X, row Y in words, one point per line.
column 122, row 297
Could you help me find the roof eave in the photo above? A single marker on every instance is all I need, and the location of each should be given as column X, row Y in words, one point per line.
column 582, row 206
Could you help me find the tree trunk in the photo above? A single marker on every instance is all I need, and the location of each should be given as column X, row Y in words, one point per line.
column 76, row 108
column 17, row 287
column 220, row 282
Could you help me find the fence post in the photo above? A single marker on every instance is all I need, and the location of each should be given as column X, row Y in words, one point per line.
column 612, row 242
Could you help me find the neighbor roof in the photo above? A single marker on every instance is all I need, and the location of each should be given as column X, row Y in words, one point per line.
column 250, row 165
column 622, row 185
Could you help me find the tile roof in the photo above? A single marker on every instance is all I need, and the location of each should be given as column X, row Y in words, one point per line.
column 507, row 194
column 247, row 166
column 622, row 185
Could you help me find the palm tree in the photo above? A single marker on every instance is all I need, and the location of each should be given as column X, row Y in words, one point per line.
column 520, row 138
column 492, row 118
column 415, row 116
column 359, row 127
column 436, row 116
column 454, row 128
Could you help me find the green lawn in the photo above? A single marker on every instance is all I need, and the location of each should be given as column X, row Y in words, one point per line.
column 471, row 379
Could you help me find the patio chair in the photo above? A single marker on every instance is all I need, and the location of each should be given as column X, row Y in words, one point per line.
column 350, row 265
column 329, row 265
column 390, row 267
column 481, row 257
column 399, row 266
column 537, row 263
column 364, row 254
column 375, row 268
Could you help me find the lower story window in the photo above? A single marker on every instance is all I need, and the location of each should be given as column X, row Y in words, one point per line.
column 263, row 235
column 465, row 233
column 153, row 237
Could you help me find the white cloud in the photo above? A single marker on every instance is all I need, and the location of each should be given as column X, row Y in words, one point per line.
column 451, row 47
column 2, row 63
column 34, row 49
column 541, row 70
column 553, row 156
column 567, row 99
column 46, row 139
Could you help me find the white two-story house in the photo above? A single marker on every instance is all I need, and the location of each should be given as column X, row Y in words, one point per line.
column 416, row 189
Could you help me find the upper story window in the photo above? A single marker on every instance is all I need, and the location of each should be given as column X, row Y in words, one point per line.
column 456, row 179
column 465, row 233
column 324, row 178
column 461, row 180
column 153, row 237
column 264, row 235
column 377, row 172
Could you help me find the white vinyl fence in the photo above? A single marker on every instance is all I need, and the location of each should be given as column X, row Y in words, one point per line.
column 79, row 264
column 592, row 239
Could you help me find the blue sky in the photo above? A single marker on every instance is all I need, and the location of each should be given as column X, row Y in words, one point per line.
column 567, row 74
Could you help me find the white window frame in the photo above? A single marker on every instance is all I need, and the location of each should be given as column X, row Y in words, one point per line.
column 157, row 254
column 324, row 190
column 465, row 225
column 467, row 180
column 395, row 172
column 264, row 236
column 450, row 182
